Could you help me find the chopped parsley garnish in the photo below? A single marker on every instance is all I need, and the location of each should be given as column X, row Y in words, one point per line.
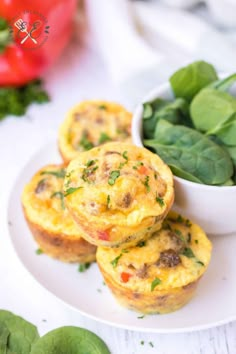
column 141, row 244
column 167, row 226
column 187, row 252
column 179, row 233
column 142, row 341
column 59, row 195
column 115, row 261
column 180, row 219
column 113, row 177
column 125, row 156
column 196, row 241
column 90, row 163
column 189, row 237
column 160, row 201
column 59, row 174
column 108, row 201
column 201, row 263
column 103, row 138
column 154, row 283
column 83, row 267
column 138, row 164
column 71, row 190
column 188, row 223
column 85, row 143
column 89, row 170
column 155, row 175
column 102, row 106
column 151, row 344
column 39, row 251
column 146, row 184
column 141, row 317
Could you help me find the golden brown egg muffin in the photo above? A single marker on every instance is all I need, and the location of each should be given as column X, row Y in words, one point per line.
column 53, row 228
column 92, row 123
column 118, row 193
column 160, row 274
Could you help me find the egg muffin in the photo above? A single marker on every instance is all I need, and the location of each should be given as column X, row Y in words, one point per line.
column 53, row 228
column 92, row 123
column 158, row 275
column 118, row 193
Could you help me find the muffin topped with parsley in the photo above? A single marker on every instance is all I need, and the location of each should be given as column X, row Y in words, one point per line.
column 53, row 228
column 92, row 123
column 158, row 275
column 118, row 193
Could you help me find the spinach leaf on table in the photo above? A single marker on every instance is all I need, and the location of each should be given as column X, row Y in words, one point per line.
column 190, row 154
column 70, row 340
column 211, row 108
column 188, row 81
column 16, row 334
column 176, row 112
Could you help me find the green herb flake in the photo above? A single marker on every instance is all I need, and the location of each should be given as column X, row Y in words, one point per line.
column 59, row 195
column 85, row 143
column 151, row 344
column 201, row 263
column 141, row 317
column 196, row 241
column 179, row 233
column 154, row 283
column 115, row 261
column 113, row 177
column 187, row 252
column 188, row 223
column 189, row 237
column 71, row 190
column 108, row 201
column 90, row 163
column 160, row 201
column 89, row 171
column 180, row 219
column 39, row 251
column 142, row 341
column 138, row 164
column 59, row 174
column 141, row 244
column 146, row 183
column 103, row 138
column 83, row 267
column 102, row 107
column 125, row 156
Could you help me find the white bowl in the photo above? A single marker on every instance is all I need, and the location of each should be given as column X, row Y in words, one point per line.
column 212, row 207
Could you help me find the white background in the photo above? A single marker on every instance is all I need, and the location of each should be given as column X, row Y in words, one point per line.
column 78, row 75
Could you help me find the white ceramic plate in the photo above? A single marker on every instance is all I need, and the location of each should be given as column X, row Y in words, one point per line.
column 213, row 305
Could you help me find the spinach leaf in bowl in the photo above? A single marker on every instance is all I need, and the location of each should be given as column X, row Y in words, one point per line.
column 224, row 84
column 176, row 112
column 190, row 154
column 188, row 81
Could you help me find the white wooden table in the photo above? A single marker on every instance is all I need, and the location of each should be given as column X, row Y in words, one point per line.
column 78, row 75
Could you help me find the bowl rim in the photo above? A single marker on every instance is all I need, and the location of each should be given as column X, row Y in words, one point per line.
column 137, row 140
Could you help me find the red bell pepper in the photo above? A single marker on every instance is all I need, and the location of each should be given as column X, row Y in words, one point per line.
column 39, row 32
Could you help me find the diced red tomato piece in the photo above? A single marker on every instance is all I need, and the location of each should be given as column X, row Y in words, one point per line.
column 125, row 277
column 103, row 235
column 143, row 170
